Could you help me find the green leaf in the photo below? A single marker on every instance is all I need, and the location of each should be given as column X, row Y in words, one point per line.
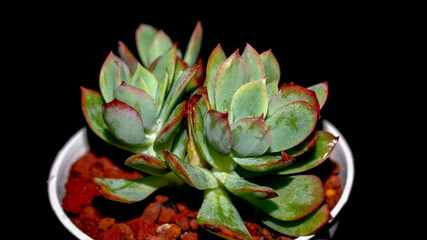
column 302, row 227
column 145, row 80
column 197, row 111
column 113, row 72
column 254, row 62
column 251, row 136
column 197, row 177
column 180, row 144
column 128, row 57
column 148, row 164
column 304, row 146
column 124, row 122
column 160, row 44
column 265, row 163
column 219, row 216
column 218, row 131
column 232, row 74
column 298, row 196
column 322, row 90
column 161, row 91
column 291, row 125
column 144, row 36
column 250, row 100
column 140, row 101
column 242, row 188
column 166, row 61
column 92, row 110
column 166, row 136
column 272, row 71
column 216, row 59
column 194, row 45
column 129, row 191
column 316, row 155
column 289, row 94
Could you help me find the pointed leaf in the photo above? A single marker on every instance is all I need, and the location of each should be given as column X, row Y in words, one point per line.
column 298, row 196
column 232, row 74
column 250, row 100
column 291, row 125
column 318, row 153
column 251, row 136
column 92, row 109
column 180, row 143
column 161, row 91
column 218, row 131
column 197, row 111
column 197, row 80
column 166, row 61
column 128, row 57
column 113, row 72
column 219, row 216
column 302, row 227
column 322, row 90
column 129, row 191
column 124, row 122
column 216, row 59
column 197, row 177
column 242, row 188
column 144, row 36
column 148, row 164
column 304, row 146
column 145, row 80
column 166, row 136
column 140, row 101
column 160, row 44
column 254, row 62
column 289, row 94
column 265, row 163
column 272, row 71
column 194, row 45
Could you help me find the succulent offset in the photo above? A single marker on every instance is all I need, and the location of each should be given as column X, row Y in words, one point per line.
column 240, row 125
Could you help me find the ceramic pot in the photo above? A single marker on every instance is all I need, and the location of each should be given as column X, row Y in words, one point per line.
column 78, row 145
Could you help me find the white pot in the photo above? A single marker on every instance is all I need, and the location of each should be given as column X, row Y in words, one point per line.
column 78, row 145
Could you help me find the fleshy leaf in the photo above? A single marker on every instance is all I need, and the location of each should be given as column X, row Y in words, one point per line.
column 216, row 59
column 298, row 196
column 145, row 80
column 322, row 90
column 302, row 227
column 254, row 62
column 92, row 110
column 316, row 155
column 265, row 163
column 113, row 72
column 144, row 36
column 167, row 61
column 193, row 154
column 251, row 136
column 180, row 144
column 242, row 188
column 291, row 125
column 160, row 44
column 289, row 94
column 124, row 122
column 219, row 216
column 161, row 91
column 166, row 136
column 197, row 110
column 250, row 100
column 304, row 146
column 148, row 164
column 200, row 178
column 140, row 101
column 129, row 191
column 232, row 74
column 218, row 131
column 194, row 45
column 272, row 71
column 128, row 57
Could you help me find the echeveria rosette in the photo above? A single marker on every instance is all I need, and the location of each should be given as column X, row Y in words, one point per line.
column 242, row 124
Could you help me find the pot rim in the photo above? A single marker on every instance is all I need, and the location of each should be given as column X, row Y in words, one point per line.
column 78, row 145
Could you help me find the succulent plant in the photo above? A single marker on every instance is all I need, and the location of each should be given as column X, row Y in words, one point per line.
column 240, row 134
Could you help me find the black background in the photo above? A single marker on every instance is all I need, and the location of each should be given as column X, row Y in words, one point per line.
column 65, row 46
